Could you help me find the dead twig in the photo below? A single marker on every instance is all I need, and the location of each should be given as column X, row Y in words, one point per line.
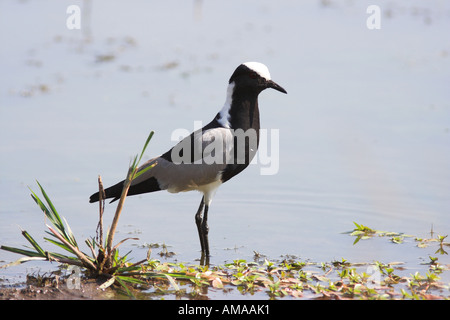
column 112, row 230
column 101, row 204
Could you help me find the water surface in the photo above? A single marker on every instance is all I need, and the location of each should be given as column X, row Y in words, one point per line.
column 364, row 129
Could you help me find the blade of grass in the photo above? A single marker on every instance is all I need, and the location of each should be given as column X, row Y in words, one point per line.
column 33, row 242
column 144, row 170
column 85, row 260
column 131, row 280
column 53, row 215
column 146, row 144
column 41, row 205
column 138, row 173
column 59, row 244
column 23, row 252
column 51, row 212
column 120, row 281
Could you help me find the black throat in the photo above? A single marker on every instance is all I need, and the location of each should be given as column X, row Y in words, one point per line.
column 244, row 111
column 243, row 118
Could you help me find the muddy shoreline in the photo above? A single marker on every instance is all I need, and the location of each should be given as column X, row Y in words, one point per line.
column 57, row 290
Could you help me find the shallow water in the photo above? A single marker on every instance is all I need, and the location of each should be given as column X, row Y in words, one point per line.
column 364, row 132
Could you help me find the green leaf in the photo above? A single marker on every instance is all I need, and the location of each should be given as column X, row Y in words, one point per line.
column 358, row 227
column 27, row 253
column 35, row 245
column 146, row 144
column 40, row 203
column 131, row 280
column 144, row 170
column 137, row 161
column 54, row 216
column 59, row 244
column 48, row 213
column 120, row 281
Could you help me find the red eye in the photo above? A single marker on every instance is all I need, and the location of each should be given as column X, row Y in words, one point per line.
column 253, row 75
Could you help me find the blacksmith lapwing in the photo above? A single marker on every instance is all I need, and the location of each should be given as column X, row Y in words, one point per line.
column 212, row 155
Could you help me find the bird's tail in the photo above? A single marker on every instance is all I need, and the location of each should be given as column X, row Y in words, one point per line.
column 112, row 192
column 115, row 191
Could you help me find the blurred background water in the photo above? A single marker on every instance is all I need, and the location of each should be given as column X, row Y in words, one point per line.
column 364, row 132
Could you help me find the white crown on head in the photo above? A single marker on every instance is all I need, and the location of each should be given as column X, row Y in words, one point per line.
column 259, row 68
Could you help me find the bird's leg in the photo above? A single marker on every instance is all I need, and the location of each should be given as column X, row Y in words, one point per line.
column 205, row 231
column 198, row 222
column 202, row 227
column 204, row 260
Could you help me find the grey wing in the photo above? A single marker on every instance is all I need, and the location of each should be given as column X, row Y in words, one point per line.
column 197, row 160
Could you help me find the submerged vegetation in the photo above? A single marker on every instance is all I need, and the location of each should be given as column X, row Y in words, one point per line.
column 288, row 277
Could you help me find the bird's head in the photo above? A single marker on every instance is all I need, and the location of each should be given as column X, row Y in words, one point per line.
column 254, row 76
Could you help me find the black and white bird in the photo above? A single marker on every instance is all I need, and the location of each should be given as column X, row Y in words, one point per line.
column 212, row 155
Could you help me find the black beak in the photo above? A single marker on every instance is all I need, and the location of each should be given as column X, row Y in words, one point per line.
column 273, row 85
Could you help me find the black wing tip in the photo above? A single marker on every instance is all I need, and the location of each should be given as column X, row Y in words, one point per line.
column 112, row 192
column 93, row 198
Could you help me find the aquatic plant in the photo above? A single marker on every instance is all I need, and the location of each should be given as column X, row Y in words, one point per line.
column 104, row 259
